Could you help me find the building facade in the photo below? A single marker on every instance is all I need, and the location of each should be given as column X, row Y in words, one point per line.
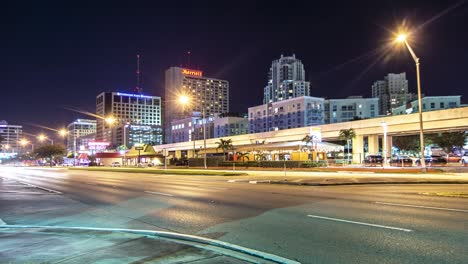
column 291, row 113
column 351, row 108
column 10, row 136
column 78, row 129
column 392, row 92
column 128, row 135
column 191, row 128
column 429, row 103
column 205, row 94
column 286, row 80
column 126, row 109
column 230, row 126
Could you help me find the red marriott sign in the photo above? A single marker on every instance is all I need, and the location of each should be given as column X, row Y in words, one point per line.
column 192, row 72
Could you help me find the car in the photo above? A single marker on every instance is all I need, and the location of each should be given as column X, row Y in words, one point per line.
column 452, row 158
column 401, row 161
column 373, row 160
column 427, row 160
column 464, row 159
column 115, row 164
column 434, row 160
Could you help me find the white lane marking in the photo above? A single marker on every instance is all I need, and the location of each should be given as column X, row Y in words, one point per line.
column 215, row 188
column 253, row 182
column 232, row 181
column 165, row 194
column 20, row 192
column 360, row 223
column 2, row 222
column 39, row 187
column 425, row 207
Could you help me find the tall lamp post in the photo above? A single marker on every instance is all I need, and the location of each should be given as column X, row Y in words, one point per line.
column 184, row 100
column 402, row 38
column 384, row 142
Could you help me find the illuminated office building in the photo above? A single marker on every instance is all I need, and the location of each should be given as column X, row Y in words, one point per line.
column 205, row 94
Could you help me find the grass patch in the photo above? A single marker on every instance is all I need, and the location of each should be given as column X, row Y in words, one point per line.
column 447, row 194
column 162, row 171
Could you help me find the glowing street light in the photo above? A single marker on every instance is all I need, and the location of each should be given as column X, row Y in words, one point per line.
column 185, row 100
column 63, row 132
column 110, row 120
column 402, row 38
column 43, row 137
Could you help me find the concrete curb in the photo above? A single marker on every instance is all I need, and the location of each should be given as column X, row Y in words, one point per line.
column 362, row 183
column 169, row 235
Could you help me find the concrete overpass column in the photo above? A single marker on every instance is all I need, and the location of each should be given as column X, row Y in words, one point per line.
column 178, row 154
column 358, row 148
column 373, row 144
column 389, row 146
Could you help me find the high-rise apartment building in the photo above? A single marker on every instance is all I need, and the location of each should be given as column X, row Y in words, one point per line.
column 291, row 113
column 286, row 80
column 78, row 129
column 205, row 94
column 351, row 108
column 126, row 109
column 392, row 92
column 10, row 136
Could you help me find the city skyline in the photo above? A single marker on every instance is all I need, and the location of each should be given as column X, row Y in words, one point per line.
column 54, row 72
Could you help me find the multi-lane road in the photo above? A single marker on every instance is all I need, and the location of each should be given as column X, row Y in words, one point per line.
column 340, row 224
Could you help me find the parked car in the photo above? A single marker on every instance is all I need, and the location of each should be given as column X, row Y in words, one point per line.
column 115, row 164
column 373, row 160
column 434, row 160
column 464, row 159
column 401, row 161
column 427, row 160
column 452, row 158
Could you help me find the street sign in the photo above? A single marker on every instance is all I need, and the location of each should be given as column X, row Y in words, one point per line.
column 138, row 148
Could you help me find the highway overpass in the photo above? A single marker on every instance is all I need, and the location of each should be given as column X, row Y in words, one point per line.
column 455, row 119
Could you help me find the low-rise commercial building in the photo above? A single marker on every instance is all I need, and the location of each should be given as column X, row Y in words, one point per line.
column 429, row 103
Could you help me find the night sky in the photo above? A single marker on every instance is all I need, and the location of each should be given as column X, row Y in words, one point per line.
column 56, row 55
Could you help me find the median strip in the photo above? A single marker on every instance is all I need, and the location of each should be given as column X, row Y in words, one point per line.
column 424, row 207
column 360, row 223
column 163, row 171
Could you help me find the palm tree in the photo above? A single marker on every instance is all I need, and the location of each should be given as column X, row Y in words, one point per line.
column 348, row 135
column 225, row 145
column 307, row 140
column 243, row 156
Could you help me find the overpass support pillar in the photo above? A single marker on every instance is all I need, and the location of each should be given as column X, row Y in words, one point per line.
column 178, row 154
column 358, row 149
column 389, row 146
column 373, row 144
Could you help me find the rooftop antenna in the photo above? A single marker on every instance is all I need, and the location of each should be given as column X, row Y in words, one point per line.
column 188, row 59
column 138, row 89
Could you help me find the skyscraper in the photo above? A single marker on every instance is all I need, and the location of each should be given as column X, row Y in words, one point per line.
column 10, row 136
column 205, row 93
column 286, row 80
column 128, row 109
column 77, row 129
column 392, row 92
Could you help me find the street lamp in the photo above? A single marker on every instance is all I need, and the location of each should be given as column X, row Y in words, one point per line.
column 184, row 100
column 402, row 38
column 23, row 142
column 384, row 142
column 43, row 137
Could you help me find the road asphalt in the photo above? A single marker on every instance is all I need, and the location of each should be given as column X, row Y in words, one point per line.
column 391, row 223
